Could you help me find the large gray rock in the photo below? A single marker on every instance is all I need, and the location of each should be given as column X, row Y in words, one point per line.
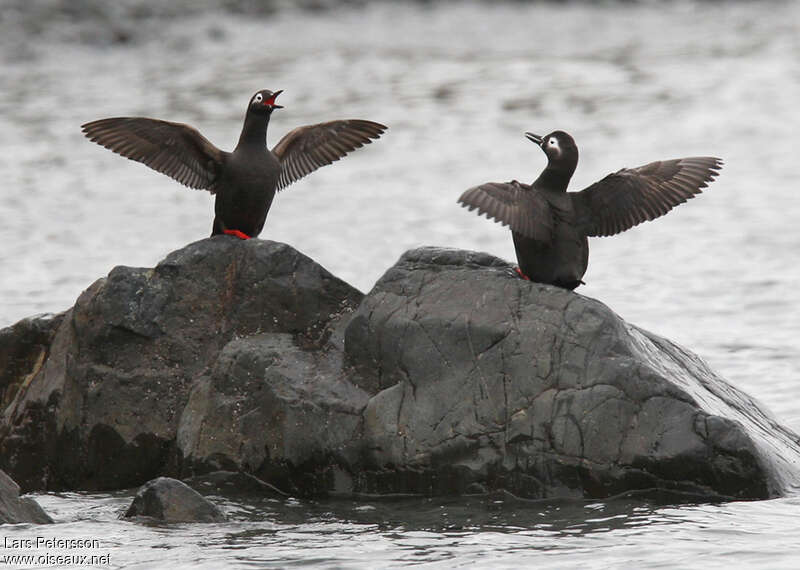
column 170, row 500
column 15, row 509
column 460, row 377
column 452, row 376
column 102, row 410
column 480, row 380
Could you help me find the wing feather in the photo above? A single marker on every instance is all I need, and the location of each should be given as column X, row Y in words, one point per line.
column 512, row 204
column 175, row 149
column 634, row 195
column 305, row 149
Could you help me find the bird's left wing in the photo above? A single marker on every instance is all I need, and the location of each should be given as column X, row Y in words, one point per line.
column 307, row 148
column 634, row 195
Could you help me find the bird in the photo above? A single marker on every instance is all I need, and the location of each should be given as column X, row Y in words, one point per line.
column 550, row 226
column 245, row 180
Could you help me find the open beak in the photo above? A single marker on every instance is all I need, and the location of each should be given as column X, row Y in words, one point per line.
column 535, row 138
column 271, row 101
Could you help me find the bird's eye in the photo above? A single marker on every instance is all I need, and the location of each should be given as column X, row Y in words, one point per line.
column 553, row 142
column 258, row 98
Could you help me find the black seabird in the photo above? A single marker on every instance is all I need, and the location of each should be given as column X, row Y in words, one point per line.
column 245, row 180
column 550, row 225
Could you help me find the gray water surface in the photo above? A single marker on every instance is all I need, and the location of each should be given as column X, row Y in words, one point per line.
column 458, row 84
column 494, row 532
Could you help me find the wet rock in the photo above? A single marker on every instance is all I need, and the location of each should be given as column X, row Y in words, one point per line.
column 479, row 377
column 15, row 509
column 24, row 347
column 280, row 411
column 458, row 377
column 233, row 484
column 102, row 411
column 452, row 376
column 170, row 500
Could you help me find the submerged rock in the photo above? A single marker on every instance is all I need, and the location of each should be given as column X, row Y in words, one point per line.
column 452, row 376
column 170, row 500
column 233, row 484
column 15, row 509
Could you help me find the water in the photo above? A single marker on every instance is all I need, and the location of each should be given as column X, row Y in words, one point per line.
column 496, row 532
column 457, row 84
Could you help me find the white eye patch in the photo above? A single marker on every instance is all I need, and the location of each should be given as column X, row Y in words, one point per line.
column 258, row 98
column 553, row 143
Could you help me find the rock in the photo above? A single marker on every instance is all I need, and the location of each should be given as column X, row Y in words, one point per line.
column 452, row 376
column 233, row 484
column 102, row 412
column 477, row 376
column 458, row 377
column 171, row 500
column 23, row 349
column 279, row 411
column 15, row 509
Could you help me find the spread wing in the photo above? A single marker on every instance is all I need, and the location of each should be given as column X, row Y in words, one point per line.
column 174, row 149
column 635, row 195
column 307, row 148
column 512, row 204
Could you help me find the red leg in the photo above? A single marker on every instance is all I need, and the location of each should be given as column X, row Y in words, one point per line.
column 521, row 274
column 237, row 233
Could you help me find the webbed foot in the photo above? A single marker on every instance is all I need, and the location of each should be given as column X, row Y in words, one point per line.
column 521, row 274
column 237, row 233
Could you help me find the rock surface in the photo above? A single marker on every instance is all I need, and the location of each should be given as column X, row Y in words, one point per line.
column 15, row 509
column 279, row 411
column 170, row 500
column 452, row 376
column 24, row 347
column 102, row 411
column 485, row 381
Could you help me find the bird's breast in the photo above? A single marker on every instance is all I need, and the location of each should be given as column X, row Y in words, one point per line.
column 250, row 174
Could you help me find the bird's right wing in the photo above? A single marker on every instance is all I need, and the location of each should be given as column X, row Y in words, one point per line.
column 304, row 149
column 512, row 204
column 174, row 149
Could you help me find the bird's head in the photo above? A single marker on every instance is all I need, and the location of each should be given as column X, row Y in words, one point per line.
column 263, row 102
column 560, row 148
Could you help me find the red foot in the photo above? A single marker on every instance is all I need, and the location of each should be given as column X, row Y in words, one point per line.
column 237, row 233
column 521, row 274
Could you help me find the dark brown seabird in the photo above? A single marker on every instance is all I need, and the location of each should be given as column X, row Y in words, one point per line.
column 245, row 180
column 550, row 225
